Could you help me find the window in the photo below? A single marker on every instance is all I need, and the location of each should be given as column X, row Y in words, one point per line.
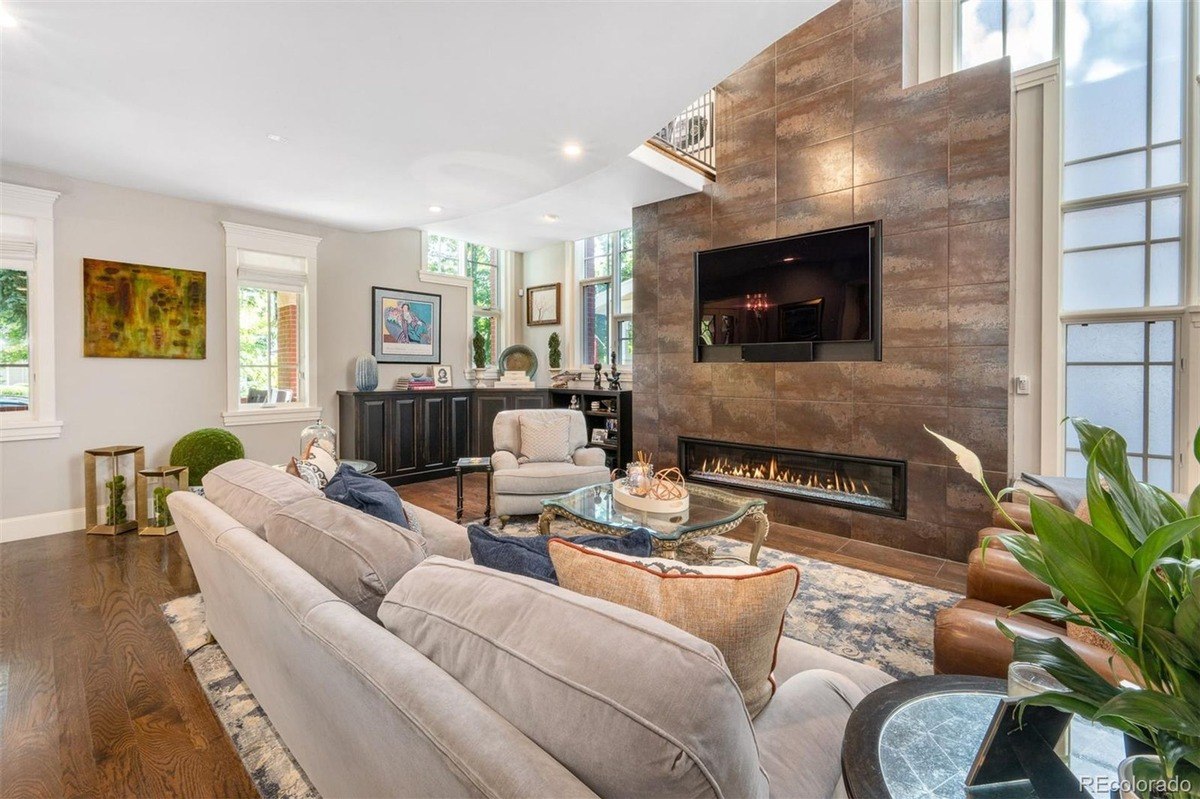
column 1123, row 276
column 271, row 288
column 991, row 29
column 444, row 255
column 483, row 267
column 606, row 297
column 27, row 407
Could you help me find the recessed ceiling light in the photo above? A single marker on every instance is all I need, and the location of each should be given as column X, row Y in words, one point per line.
column 550, row 217
column 435, row 209
column 7, row 20
column 275, row 137
column 572, row 150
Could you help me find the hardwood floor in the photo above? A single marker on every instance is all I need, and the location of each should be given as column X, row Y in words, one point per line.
column 96, row 700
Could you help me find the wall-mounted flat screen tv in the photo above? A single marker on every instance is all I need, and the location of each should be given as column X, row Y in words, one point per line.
column 814, row 296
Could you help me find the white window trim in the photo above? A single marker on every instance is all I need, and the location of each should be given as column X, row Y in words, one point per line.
column 278, row 242
column 425, row 276
column 39, row 421
column 575, row 293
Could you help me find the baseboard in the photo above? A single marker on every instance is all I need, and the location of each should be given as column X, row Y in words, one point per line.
column 18, row 528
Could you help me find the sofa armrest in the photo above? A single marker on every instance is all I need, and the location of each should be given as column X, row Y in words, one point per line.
column 503, row 459
column 442, row 536
column 588, row 456
column 1000, row 579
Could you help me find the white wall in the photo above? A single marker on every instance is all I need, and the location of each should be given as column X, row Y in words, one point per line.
column 153, row 402
column 547, row 265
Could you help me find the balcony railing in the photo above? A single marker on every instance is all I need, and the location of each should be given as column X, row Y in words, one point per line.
column 690, row 136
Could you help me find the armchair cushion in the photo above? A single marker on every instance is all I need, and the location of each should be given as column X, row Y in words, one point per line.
column 545, row 439
column 588, row 456
column 547, row 479
column 506, row 429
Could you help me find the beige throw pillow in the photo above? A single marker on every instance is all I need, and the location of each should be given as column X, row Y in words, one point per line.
column 738, row 610
column 545, row 439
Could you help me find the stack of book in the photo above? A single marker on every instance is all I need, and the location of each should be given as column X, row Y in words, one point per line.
column 423, row 383
column 401, row 384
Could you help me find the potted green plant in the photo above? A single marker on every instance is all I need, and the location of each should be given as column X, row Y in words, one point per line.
column 554, row 344
column 478, row 354
column 1132, row 575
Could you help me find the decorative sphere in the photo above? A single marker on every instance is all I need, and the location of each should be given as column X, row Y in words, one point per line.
column 205, row 449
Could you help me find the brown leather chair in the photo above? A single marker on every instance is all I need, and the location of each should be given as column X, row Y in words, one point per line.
column 966, row 638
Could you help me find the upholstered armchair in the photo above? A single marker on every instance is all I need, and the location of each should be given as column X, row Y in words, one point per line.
column 520, row 483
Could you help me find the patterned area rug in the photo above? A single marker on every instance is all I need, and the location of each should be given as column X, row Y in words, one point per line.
column 882, row 621
column 878, row 620
column 267, row 760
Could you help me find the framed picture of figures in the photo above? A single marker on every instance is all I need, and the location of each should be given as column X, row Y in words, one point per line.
column 406, row 326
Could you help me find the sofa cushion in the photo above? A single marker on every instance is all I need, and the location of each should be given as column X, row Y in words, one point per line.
column 367, row 494
column 250, row 491
column 739, row 610
column 545, row 439
column 631, row 705
column 547, row 478
column 528, row 555
column 356, row 556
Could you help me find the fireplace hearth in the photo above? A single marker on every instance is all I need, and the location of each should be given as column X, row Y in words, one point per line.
column 870, row 485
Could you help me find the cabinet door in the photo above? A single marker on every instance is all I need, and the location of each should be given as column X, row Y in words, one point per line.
column 371, row 437
column 486, row 407
column 432, row 421
column 525, row 401
column 458, row 424
column 403, row 443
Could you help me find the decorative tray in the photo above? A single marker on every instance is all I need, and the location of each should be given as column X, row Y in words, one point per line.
column 648, row 504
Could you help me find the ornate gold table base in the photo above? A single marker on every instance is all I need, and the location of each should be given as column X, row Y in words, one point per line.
column 680, row 548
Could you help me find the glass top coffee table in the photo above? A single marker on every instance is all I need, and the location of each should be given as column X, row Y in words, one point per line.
column 710, row 512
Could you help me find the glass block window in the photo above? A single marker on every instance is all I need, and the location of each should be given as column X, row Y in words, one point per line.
column 1122, row 375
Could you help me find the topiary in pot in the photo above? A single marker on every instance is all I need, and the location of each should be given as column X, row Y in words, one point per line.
column 479, row 350
column 1132, row 576
column 555, row 355
column 204, row 450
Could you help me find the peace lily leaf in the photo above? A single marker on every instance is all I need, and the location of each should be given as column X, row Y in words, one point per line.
column 1055, row 656
column 1028, row 552
column 1107, row 449
column 1152, row 709
column 1196, row 445
column 1068, row 702
column 1176, row 750
column 1053, row 610
column 1167, row 505
column 967, row 459
column 1187, row 622
column 1095, row 575
column 1163, row 539
column 1193, row 508
column 1105, row 519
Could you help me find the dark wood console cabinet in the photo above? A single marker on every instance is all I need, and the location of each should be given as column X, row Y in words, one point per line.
column 418, row 435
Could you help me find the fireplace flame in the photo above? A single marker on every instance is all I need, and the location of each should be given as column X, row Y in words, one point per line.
column 834, row 480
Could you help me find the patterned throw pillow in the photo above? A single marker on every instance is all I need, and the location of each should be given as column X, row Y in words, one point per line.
column 738, row 610
column 315, row 468
column 545, row 439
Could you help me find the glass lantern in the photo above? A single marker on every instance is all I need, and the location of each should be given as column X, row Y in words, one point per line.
column 321, row 435
column 154, row 517
column 110, row 476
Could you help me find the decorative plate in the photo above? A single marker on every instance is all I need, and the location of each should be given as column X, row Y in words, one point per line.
column 518, row 357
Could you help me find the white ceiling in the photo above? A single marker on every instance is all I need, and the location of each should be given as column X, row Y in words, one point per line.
column 388, row 108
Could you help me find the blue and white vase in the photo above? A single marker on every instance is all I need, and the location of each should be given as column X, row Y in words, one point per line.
column 366, row 373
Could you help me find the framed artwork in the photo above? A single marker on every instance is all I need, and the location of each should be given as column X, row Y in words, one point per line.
column 138, row 311
column 406, row 326
column 599, row 436
column 443, row 376
column 801, row 321
column 543, row 304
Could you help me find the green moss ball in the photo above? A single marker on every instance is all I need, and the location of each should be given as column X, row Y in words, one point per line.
column 203, row 450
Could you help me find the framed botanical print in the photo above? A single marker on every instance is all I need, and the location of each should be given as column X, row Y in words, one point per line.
column 406, row 326
column 543, row 304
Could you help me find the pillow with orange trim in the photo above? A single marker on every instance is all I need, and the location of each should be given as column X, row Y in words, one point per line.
column 738, row 610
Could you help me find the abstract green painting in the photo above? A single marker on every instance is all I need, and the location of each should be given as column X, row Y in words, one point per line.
column 136, row 311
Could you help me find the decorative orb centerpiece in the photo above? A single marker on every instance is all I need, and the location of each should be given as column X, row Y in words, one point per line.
column 203, row 450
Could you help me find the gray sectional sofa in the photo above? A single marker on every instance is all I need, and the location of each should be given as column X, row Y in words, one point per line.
column 471, row 682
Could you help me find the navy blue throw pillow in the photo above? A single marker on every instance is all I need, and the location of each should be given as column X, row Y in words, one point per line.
column 529, row 556
column 367, row 494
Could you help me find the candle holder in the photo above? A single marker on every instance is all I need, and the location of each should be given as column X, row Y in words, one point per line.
column 123, row 465
column 153, row 486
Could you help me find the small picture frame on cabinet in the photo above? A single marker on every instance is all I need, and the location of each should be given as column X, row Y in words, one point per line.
column 443, row 376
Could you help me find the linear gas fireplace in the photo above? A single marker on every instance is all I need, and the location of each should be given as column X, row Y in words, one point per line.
column 871, row 485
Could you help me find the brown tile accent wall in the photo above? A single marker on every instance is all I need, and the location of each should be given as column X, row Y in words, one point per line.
column 814, row 132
